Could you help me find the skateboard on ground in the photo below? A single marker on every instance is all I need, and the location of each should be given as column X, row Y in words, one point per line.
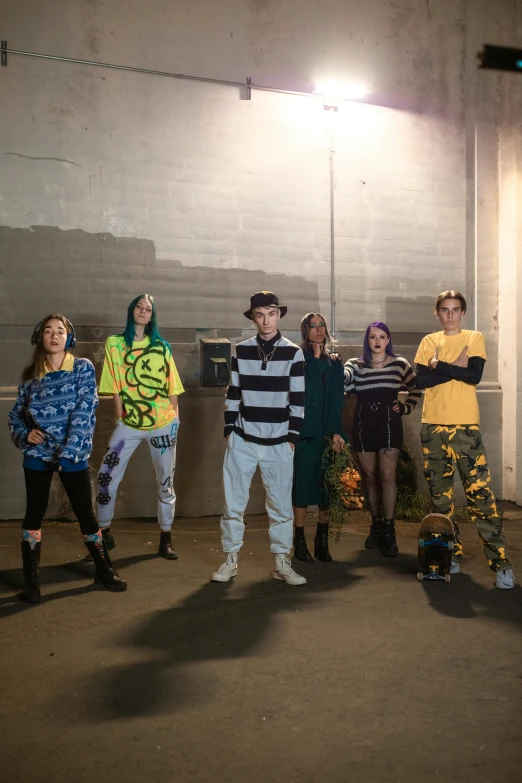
column 436, row 544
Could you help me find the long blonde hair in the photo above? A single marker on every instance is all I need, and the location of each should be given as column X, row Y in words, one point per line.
column 37, row 364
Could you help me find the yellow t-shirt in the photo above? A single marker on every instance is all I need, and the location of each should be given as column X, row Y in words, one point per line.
column 145, row 377
column 454, row 402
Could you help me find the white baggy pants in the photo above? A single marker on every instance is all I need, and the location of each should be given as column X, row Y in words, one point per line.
column 276, row 464
column 122, row 445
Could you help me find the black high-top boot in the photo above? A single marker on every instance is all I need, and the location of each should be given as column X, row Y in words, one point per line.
column 388, row 544
column 165, row 548
column 373, row 540
column 31, row 563
column 300, row 549
column 321, row 543
column 110, row 542
column 105, row 573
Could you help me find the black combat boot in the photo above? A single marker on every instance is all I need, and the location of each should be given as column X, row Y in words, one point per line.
column 321, row 543
column 300, row 549
column 105, row 573
column 110, row 541
column 165, row 548
column 388, row 544
column 31, row 563
column 373, row 540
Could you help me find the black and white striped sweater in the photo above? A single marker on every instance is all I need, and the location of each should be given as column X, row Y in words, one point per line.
column 396, row 376
column 266, row 405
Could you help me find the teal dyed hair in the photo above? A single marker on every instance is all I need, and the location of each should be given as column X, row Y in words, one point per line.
column 151, row 330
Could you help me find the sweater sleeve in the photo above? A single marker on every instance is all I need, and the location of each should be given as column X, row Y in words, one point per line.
column 78, row 442
column 18, row 419
column 470, row 374
column 296, row 397
column 410, row 385
column 427, row 378
column 233, row 395
column 349, row 377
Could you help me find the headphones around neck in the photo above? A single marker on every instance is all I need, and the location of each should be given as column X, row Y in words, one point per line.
column 71, row 336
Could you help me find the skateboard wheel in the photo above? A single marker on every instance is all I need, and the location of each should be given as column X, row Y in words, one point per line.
column 447, row 578
column 420, row 576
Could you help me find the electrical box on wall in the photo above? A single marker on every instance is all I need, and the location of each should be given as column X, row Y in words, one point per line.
column 215, row 356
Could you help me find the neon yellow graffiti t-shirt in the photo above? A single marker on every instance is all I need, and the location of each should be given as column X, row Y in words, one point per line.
column 144, row 376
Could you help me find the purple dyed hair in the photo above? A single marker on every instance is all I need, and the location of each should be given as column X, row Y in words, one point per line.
column 367, row 354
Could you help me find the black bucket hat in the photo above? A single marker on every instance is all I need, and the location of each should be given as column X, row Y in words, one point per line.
column 265, row 299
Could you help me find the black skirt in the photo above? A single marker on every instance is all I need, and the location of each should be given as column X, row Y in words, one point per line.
column 376, row 425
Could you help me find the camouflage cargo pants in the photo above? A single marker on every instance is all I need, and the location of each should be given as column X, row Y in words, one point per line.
column 443, row 447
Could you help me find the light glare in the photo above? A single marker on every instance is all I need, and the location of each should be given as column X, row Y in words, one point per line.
column 348, row 91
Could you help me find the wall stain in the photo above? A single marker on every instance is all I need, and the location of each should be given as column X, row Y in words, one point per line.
column 43, row 157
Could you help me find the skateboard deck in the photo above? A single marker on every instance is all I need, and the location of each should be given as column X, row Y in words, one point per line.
column 436, row 544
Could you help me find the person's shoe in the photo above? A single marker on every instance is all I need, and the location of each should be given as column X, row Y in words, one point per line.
column 105, row 573
column 31, row 565
column 455, row 567
column 373, row 540
column 110, row 542
column 321, row 543
column 165, row 548
column 283, row 570
column 388, row 543
column 300, row 549
column 505, row 579
column 227, row 570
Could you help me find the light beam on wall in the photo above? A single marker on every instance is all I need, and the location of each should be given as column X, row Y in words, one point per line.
column 334, row 93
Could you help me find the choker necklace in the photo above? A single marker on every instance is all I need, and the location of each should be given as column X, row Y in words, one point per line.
column 266, row 357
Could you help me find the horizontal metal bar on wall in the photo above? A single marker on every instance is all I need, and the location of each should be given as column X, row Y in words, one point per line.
column 247, row 85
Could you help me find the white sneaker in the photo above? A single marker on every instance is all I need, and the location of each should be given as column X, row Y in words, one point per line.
column 227, row 570
column 455, row 567
column 283, row 570
column 505, row 579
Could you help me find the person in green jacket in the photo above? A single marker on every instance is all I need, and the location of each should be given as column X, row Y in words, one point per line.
column 323, row 404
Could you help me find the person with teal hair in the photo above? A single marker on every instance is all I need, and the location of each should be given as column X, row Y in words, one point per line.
column 140, row 373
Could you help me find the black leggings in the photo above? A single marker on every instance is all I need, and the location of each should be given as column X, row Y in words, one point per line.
column 78, row 488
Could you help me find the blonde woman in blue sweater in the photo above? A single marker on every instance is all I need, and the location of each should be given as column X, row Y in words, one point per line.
column 52, row 422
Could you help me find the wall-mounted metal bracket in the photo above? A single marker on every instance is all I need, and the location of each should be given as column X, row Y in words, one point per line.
column 3, row 53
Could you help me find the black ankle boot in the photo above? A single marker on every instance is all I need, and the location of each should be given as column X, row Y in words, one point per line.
column 110, row 542
column 31, row 563
column 388, row 545
column 105, row 573
column 165, row 548
column 300, row 549
column 374, row 538
column 321, row 543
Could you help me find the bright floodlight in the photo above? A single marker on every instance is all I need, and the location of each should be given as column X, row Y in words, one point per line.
column 348, row 91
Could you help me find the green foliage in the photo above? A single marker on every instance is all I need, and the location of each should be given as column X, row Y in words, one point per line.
column 335, row 467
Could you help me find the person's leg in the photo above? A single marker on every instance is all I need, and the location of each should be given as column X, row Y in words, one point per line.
column 439, row 470
column 321, row 550
column 162, row 447
column 276, row 464
column 123, row 443
column 476, row 479
column 368, row 465
column 239, row 466
column 77, row 485
column 301, row 498
column 300, row 548
column 37, row 487
column 388, row 459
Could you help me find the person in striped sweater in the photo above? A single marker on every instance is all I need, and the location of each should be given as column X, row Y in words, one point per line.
column 376, row 378
column 264, row 414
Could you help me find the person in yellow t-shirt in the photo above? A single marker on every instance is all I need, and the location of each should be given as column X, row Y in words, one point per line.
column 140, row 373
column 450, row 364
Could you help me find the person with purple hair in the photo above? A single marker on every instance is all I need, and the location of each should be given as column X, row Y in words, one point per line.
column 376, row 378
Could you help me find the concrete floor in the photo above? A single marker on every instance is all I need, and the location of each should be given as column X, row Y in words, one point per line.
column 362, row 675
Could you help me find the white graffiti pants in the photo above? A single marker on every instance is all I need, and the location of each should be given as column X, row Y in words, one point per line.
column 276, row 464
column 122, row 445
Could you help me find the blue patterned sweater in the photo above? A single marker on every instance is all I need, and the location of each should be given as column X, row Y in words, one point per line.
column 62, row 405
